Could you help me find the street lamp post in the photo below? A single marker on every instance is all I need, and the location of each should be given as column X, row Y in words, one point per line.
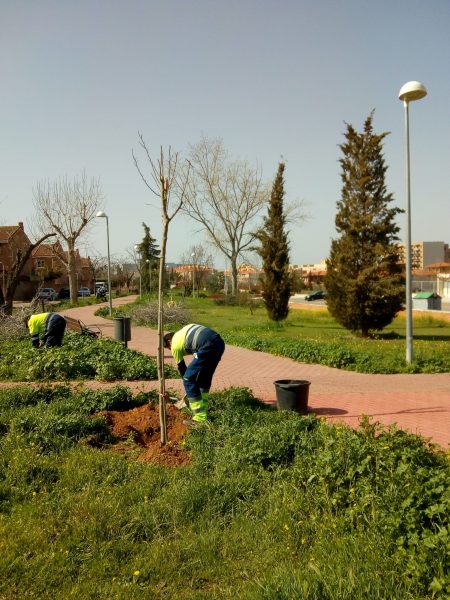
column 103, row 215
column 140, row 269
column 193, row 275
column 148, row 261
column 413, row 90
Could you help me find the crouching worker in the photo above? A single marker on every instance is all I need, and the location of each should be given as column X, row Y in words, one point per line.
column 207, row 348
column 46, row 329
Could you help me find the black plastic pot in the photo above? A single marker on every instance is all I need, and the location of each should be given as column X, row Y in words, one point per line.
column 292, row 394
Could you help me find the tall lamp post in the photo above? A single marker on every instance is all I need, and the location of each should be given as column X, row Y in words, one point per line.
column 148, row 261
column 413, row 90
column 103, row 215
column 193, row 275
column 140, row 269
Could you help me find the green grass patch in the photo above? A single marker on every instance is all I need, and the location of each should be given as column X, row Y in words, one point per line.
column 273, row 505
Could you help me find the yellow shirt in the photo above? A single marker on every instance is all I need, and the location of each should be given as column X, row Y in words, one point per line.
column 36, row 324
column 177, row 346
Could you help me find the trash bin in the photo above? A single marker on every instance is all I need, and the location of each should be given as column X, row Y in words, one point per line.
column 122, row 329
column 292, row 394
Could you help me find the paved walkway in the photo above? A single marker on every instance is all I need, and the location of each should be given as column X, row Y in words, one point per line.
column 419, row 403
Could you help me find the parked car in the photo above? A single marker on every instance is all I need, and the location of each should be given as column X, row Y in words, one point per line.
column 64, row 293
column 47, row 294
column 317, row 295
column 84, row 291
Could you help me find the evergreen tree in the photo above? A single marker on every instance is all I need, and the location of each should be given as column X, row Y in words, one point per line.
column 364, row 280
column 274, row 251
column 149, row 256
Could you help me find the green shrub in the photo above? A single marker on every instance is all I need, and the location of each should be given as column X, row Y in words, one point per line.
column 80, row 357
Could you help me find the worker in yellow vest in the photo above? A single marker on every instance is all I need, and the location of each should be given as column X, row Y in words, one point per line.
column 207, row 348
column 46, row 329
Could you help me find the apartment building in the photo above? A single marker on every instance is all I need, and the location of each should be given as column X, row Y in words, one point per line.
column 425, row 253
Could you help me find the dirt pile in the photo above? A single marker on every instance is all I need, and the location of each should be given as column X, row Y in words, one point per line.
column 139, row 429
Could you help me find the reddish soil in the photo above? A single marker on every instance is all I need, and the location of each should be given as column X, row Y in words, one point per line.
column 139, row 429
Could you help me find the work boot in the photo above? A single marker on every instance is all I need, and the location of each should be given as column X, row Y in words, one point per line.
column 198, row 408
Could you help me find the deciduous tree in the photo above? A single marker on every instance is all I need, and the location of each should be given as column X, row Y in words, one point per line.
column 224, row 197
column 13, row 277
column 67, row 207
column 167, row 180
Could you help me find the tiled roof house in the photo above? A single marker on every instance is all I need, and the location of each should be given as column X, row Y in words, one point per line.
column 12, row 239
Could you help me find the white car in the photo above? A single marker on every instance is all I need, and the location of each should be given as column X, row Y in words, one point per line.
column 84, row 291
column 47, row 294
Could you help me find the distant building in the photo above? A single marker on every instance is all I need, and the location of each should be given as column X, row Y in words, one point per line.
column 424, row 254
column 311, row 274
column 45, row 265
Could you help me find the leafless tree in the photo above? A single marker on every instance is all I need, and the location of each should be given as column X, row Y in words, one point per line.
column 97, row 264
column 68, row 207
column 13, row 278
column 167, row 180
column 200, row 259
column 225, row 197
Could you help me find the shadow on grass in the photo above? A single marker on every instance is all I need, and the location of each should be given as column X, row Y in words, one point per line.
column 393, row 335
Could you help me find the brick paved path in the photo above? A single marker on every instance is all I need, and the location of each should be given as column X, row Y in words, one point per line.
column 419, row 403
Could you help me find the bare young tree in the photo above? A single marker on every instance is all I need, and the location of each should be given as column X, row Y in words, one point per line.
column 167, row 180
column 225, row 197
column 67, row 207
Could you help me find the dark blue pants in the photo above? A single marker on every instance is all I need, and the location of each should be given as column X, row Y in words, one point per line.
column 200, row 371
column 55, row 326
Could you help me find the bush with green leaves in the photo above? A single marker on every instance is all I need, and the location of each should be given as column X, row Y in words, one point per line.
column 80, row 357
column 381, row 357
column 273, row 505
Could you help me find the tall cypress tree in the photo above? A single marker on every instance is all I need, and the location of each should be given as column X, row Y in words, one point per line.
column 274, row 251
column 364, row 280
column 149, row 255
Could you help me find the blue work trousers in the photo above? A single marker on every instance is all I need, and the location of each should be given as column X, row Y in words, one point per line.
column 200, row 371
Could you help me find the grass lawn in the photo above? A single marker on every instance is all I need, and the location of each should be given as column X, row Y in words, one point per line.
column 273, row 506
column 311, row 335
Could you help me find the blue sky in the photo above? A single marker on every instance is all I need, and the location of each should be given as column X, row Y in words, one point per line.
column 80, row 78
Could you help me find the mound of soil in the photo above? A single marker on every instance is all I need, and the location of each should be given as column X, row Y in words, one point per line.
column 139, row 428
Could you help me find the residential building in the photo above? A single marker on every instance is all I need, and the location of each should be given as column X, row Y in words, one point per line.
column 45, row 267
column 13, row 239
column 425, row 253
column 311, row 274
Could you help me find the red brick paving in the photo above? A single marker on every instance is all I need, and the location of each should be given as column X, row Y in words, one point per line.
column 419, row 403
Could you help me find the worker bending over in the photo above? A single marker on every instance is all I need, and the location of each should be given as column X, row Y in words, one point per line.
column 48, row 326
column 207, row 348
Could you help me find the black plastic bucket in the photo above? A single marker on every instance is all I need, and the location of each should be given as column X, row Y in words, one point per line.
column 292, row 394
